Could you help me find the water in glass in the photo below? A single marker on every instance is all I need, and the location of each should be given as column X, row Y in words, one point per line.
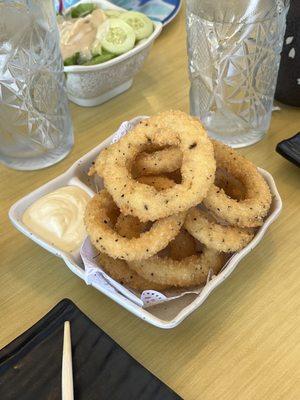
column 35, row 123
column 234, row 52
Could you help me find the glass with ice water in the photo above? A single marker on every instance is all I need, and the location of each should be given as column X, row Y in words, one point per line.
column 234, row 53
column 35, row 123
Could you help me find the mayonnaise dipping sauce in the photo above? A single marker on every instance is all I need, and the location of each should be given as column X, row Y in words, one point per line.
column 58, row 217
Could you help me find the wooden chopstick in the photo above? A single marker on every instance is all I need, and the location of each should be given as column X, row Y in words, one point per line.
column 67, row 370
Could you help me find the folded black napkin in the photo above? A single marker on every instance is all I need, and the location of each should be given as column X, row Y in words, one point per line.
column 290, row 149
column 288, row 82
column 30, row 366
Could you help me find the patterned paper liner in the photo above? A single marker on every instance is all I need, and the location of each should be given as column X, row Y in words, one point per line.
column 95, row 274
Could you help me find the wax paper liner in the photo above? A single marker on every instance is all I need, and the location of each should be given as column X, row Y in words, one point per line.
column 95, row 274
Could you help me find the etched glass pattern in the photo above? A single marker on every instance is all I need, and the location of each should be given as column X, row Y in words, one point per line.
column 233, row 68
column 35, row 123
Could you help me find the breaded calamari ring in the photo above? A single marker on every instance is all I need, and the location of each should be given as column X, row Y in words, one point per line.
column 120, row 272
column 183, row 245
column 128, row 227
column 131, row 227
column 250, row 211
column 165, row 160
column 207, row 230
column 167, row 129
column 108, row 241
column 182, row 252
column 191, row 271
column 231, row 187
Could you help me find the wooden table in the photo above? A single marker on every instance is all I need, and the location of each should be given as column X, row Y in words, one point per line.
column 243, row 343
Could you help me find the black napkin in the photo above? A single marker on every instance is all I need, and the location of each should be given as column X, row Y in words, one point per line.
column 30, row 366
column 290, row 149
column 288, row 83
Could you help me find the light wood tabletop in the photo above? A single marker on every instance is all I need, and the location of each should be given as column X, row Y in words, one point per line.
column 243, row 343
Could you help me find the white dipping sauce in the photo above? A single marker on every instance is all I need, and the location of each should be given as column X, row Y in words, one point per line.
column 58, row 217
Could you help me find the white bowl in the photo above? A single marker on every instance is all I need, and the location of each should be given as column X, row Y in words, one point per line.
column 167, row 315
column 91, row 85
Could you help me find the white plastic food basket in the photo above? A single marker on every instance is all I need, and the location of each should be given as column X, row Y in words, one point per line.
column 169, row 314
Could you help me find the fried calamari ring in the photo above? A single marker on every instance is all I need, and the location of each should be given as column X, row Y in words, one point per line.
column 236, row 179
column 190, row 271
column 183, row 248
column 130, row 226
column 208, row 231
column 183, row 245
column 165, row 160
column 120, row 272
column 182, row 267
column 166, row 129
column 158, row 164
column 108, row 241
column 250, row 211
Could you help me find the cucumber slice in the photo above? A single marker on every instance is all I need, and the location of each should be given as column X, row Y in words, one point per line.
column 100, row 59
column 113, row 13
column 119, row 38
column 82, row 10
column 140, row 23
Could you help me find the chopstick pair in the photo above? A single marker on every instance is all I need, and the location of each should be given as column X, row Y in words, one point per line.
column 67, row 388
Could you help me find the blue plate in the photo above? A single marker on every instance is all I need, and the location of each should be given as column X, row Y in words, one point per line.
column 159, row 10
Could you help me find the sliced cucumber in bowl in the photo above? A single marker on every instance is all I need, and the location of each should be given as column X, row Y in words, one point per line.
column 117, row 34
column 119, row 38
column 140, row 23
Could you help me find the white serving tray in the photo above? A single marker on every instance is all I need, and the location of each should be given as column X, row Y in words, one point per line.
column 166, row 315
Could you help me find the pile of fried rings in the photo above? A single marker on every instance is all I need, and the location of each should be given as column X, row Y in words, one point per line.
column 175, row 204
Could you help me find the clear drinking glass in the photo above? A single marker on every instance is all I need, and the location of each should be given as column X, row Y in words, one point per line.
column 234, row 53
column 35, row 123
